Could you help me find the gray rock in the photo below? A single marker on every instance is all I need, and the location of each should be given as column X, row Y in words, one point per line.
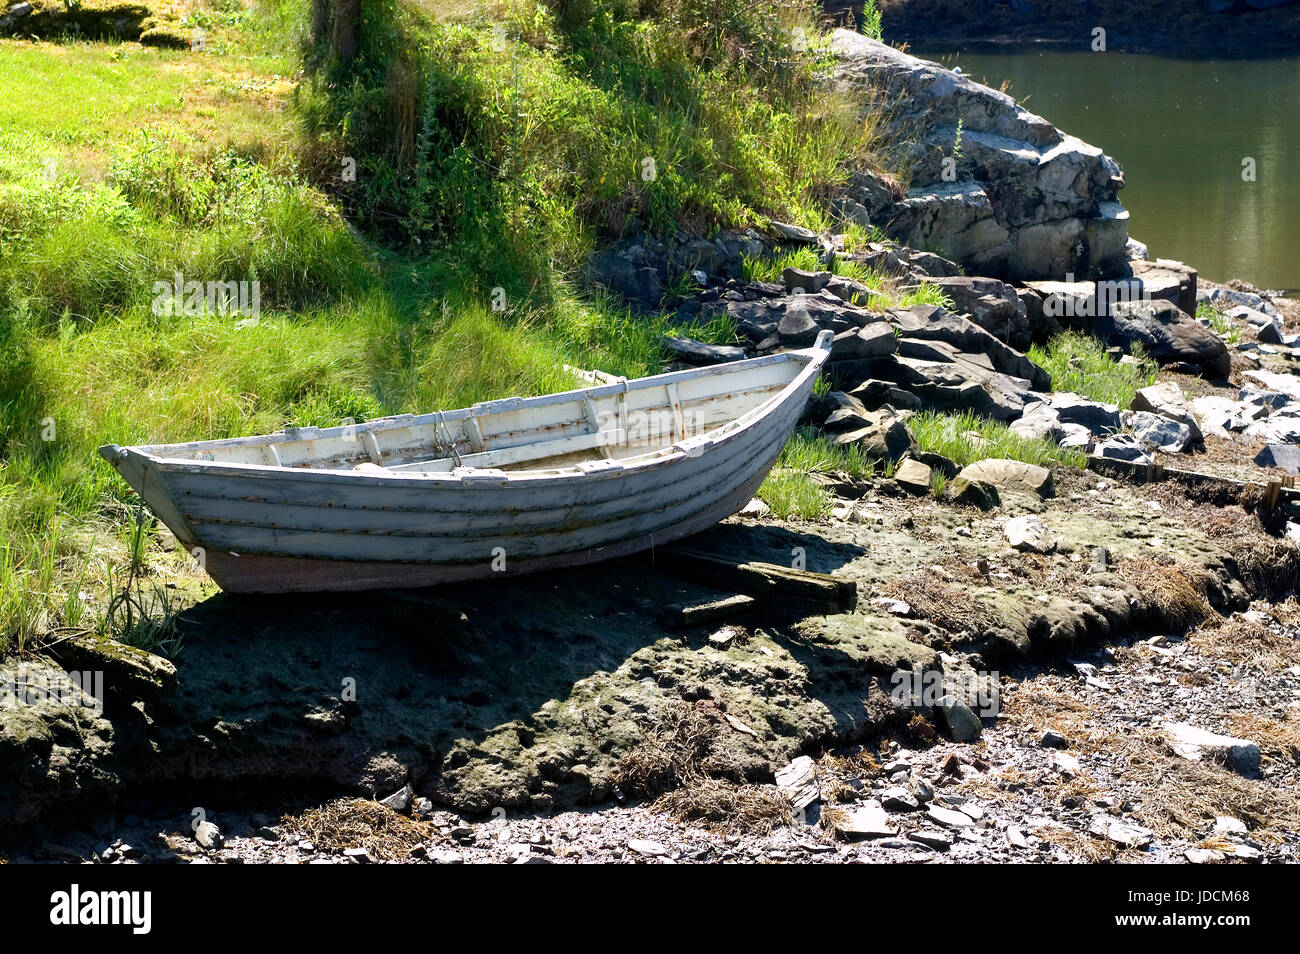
column 1160, row 432
column 870, row 341
column 1029, row 534
column 913, row 476
column 886, row 436
column 1123, row 447
column 1099, row 418
column 899, row 799
column 1030, row 201
column 797, row 781
column 978, row 493
column 949, row 817
column 358, row 856
column 932, row 323
column 865, row 820
column 1199, row 745
column 992, row 305
column 931, row 838
column 1052, row 740
column 400, row 800
column 1286, row 456
column 1224, row 299
column 797, row 328
column 1125, row 834
column 1010, row 476
column 1288, row 384
column 1168, row 334
column 690, row 351
column 963, row 724
column 1269, row 399
column 1166, row 280
column 801, row 280
column 795, row 233
column 1166, row 399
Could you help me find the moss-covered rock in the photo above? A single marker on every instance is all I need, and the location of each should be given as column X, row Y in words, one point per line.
column 97, row 19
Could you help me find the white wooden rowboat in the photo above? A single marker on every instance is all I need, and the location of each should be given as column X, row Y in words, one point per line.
column 503, row 487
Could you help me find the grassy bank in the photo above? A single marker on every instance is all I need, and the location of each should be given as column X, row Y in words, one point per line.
column 467, row 160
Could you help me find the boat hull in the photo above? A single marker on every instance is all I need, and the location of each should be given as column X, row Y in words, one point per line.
column 280, row 530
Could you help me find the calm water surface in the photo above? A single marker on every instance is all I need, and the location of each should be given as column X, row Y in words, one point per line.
column 1180, row 129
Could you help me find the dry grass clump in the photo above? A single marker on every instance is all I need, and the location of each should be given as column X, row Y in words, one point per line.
column 1078, row 844
column 1270, row 566
column 682, row 759
column 357, row 823
column 1243, row 642
column 945, row 604
column 680, row 748
column 727, row 806
column 1176, row 589
column 1278, row 739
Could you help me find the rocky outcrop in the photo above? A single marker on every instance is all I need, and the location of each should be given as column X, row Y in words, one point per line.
column 995, row 187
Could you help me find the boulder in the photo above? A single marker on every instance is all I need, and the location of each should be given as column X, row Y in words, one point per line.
column 797, row 329
column 932, row 323
column 1198, row 745
column 959, row 719
column 885, row 436
column 1028, row 201
column 804, row 282
column 1123, row 447
column 992, row 305
column 1222, row 417
column 913, row 476
column 1029, row 534
column 690, row 351
column 1168, row 335
column 1288, row 384
column 870, row 341
column 1070, row 408
column 977, row 493
column 1285, row 456
column 1159, row 432
column 1167, row 280
column 1010, row 476
column 1166, row 399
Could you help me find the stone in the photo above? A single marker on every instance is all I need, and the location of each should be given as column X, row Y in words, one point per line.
column 886, row 436
column 1010, row 476
column 1285, row 456
column 1166, row 399
column 690, row 351
column 646, row 848
column 1224, row 299
column 932, row 323
column 1222, row 417
column 1029, row 200
column 795, row 233
column 400, row 800
column 797, row 781
column 1199, row 745
column 864, row 820
column 893, row 607
column 962, row 723
column 1052, row 739
column 1167, row 334
column 1098, row 417
column 913, row 476
column 1159, row 432
column 801, row 281
column 949, row 817
column 1202, row 856
column 1125, row 834
column 931, row 838
column 870, row 341
column 1269, row 399
column 208, row 836
column 1288, row 384
column 1029, row 534
column 797, row 328
column 992, row 305
column 978, row 493
column 1123, row 447
column 358, row 856
column 899, row 799
column 1166, row 280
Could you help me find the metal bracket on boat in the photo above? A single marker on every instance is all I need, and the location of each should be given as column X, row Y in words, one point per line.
column 693, row 446
column 599, row 466
column 825, row 338
column 480, row 475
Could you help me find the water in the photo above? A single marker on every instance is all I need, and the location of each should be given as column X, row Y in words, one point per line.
column 1181, row 129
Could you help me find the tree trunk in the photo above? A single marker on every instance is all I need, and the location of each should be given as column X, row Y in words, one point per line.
column 347, row 29
column 320, row 22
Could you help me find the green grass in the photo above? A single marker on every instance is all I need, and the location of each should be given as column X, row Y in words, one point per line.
column 1079, row 363
column 792, row 494
column 495, row 149
column 888, row 291
column 1223, row 326
column 967, row 437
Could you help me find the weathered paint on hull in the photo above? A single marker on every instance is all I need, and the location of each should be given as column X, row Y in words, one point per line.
column 266, row 529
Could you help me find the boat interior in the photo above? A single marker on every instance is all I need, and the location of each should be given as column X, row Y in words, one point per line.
column 594, row 428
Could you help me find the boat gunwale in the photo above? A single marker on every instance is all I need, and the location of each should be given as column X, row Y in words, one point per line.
column 814, row 358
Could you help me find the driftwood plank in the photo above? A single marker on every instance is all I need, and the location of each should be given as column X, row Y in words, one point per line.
column 684, row 615
column 767, row 581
